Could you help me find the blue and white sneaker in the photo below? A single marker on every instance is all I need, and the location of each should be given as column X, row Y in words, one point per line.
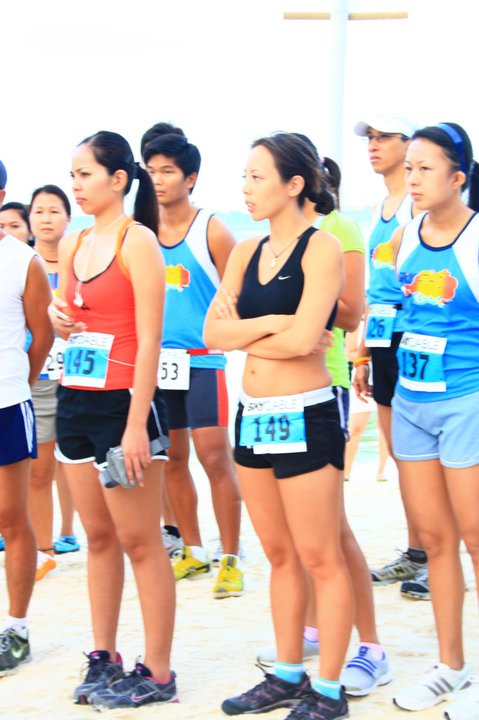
column 363, row 673
column 136, row 688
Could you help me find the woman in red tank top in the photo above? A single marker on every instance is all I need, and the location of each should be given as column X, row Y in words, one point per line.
column 111, row 294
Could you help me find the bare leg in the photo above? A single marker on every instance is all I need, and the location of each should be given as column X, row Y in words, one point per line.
column 426, row 495
column 66, row 502
column 384, row 421
column 15, row 526
column 136, row 515
column 181, row 488
column 105, row 554
column 357, row 425
column 40, row 498
column 383, row 455
column 214, row 452
column 165, row 506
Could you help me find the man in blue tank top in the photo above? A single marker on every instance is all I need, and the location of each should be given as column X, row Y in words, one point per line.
column 195, row 247
column 24, row 299
column 387, row 137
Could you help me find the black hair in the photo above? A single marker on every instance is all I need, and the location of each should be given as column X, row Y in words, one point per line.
column 113, row 152
column 293, row 156
column 329, row 167
column 53, row 190
column 171, row 141
column 459, row 154
column 20, row 208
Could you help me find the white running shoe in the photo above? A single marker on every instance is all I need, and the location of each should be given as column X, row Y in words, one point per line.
column 172, row 543
column 466, row 705
column 363, row 673
column 436, row 685
column 267, row 658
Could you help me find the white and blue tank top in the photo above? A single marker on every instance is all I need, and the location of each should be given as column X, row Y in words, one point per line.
column 383, row 288
column 439, row 352
column 191, row 283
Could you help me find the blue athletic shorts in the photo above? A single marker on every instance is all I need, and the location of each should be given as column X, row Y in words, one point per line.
column 90, row 422
column 447, row 430
column 324, row 438
column 205, row 404
column 18, row 437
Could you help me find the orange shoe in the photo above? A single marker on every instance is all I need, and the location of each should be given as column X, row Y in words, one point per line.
column 45, row 565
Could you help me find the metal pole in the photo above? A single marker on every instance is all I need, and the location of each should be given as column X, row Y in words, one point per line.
column 339, row 21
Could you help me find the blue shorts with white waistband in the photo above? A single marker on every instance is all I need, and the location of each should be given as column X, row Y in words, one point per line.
column 324, row 439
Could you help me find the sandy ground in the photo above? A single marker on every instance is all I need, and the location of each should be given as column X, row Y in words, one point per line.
column 216, row 641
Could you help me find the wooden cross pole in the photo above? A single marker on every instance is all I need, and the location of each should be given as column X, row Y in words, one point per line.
column 339, row 17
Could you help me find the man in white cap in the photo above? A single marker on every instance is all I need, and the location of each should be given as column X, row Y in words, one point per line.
column 388, row 138
column 24, row 299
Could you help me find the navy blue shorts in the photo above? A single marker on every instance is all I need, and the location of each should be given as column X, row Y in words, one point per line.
column 90, row 422
column 324, row 438
column 18, row 436
column 385, row 370
column 205, row 404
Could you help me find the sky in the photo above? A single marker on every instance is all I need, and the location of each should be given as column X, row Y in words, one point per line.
column 227, row 72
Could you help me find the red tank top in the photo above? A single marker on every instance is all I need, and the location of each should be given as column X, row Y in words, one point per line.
column 108, row 307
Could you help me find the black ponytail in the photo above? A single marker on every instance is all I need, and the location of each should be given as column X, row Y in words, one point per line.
column 473, row 201
column 113, row 152
column 323, row 202
column 146, row 204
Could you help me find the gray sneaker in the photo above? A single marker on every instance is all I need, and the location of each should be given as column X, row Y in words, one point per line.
column 402, row 568
column 100, row 671
column 267, row 658
column 418, row 587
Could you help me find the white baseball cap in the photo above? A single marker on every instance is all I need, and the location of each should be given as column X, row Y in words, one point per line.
column 387, row 124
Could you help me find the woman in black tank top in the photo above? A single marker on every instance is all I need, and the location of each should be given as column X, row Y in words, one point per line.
column 276, row 299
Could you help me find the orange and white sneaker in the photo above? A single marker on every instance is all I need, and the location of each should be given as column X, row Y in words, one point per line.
column 46, row 564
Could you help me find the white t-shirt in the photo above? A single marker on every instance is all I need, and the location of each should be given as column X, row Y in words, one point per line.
column 15, row 259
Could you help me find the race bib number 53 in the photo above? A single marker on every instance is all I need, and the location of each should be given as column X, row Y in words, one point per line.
column 274, row 425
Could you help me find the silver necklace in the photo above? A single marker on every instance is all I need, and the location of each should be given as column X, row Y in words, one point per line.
column 274, row 261
column 78, row 299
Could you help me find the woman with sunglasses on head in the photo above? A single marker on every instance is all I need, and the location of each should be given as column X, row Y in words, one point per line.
column 112, row 417
column 276, row 298
column 435, row 419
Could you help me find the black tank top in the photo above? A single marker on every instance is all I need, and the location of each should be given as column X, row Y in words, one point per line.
column 282, row 294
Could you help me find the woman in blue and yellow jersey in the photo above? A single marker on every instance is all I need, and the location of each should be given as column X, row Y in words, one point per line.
column 435, row 418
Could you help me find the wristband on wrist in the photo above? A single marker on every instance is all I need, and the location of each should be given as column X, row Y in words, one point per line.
column 364, row 360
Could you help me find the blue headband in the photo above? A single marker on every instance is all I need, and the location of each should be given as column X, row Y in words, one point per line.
column 458, row 143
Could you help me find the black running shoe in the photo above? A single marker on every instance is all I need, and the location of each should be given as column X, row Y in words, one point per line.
column 316, row 706
column 100, row 672
column 270, row 694
column 14, row 650
column 136, row 688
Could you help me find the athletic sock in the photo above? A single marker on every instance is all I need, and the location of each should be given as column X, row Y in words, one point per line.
column 376, row 650
column 289, row 672
column 311, row 634
column 172, row 530
column 199, row 553
column 20, row 625
column 330, row 688
column 417, row 555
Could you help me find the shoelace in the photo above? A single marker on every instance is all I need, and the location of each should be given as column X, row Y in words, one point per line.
column 93, row 668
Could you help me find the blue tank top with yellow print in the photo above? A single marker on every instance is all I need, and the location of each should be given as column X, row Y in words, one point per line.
column 383, row 287
column 439, row 352
column 191, row 283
